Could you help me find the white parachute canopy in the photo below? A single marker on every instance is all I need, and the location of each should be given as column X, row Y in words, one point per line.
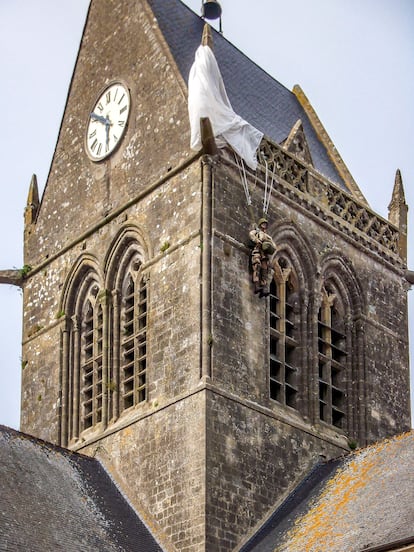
column 207, row 97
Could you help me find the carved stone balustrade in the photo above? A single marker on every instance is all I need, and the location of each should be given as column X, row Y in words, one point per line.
column 303, row 184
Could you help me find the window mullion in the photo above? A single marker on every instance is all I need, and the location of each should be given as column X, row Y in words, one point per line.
column 116, row 351
column 98, row 388
column 77, row 383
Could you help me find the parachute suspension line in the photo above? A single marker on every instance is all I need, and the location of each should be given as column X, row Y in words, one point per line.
column 255, row 180
column 268, row 188
column 243, row 178
column 269, row 184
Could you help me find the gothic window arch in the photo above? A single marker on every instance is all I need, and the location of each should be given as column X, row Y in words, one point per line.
column 90, row 321
column 332, row 356
column 290, row 320
column 128, row 325
column 340, row 377
column 104, row 340
column 284, row 334
column 83, row 370
column 133, row 341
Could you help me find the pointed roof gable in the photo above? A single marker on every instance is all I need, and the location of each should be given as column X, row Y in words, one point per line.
column 297, row 144
column 54, row 499
column 255, row 95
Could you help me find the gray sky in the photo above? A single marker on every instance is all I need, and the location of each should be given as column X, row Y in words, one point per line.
column 354, row 60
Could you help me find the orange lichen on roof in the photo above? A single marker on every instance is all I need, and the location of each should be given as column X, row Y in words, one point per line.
column 338, row 515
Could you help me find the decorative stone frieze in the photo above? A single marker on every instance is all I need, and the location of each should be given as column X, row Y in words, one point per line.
column 327, row 200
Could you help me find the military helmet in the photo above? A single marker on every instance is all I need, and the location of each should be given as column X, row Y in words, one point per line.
column 262, row 220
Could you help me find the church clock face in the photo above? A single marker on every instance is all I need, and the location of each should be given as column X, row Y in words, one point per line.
column 107, row 121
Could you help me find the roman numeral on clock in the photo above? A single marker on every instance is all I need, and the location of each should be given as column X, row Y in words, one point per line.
column 96, row 145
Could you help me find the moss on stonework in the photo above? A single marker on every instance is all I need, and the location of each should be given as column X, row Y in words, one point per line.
column 165, row 246
column 24, row 271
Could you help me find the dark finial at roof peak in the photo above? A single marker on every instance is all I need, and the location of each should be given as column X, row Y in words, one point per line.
column 211, row 9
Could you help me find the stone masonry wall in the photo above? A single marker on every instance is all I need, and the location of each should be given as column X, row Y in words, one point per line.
column 79, row 192
column 173, row 325
column 253, row 460
column 256, row 447
column 86, row 197
column 159, row 463
column 240, row 333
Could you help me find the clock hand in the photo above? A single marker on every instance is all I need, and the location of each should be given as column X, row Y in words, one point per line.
column 101, row 119
column 107, row 125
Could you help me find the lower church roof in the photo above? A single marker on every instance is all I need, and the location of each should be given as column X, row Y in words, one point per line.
column 361, row 502
column 55, row 499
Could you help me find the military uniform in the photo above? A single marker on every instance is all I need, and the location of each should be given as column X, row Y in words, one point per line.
column 264, row 246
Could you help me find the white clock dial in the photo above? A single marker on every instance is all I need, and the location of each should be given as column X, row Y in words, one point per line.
column 107, row 121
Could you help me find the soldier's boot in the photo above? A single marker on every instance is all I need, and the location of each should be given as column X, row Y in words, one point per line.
column 264, row 282
column 256, row 279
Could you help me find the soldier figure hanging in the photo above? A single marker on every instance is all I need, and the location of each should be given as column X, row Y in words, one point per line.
column 264, row 247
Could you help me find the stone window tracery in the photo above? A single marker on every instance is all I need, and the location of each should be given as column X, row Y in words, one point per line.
column 104, row 342
column 83, row 370
column 332, row 358
column 283, row 338
column 134, row 338
column 91, row 360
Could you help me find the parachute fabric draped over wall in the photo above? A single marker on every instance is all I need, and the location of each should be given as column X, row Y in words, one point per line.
column 207, row 97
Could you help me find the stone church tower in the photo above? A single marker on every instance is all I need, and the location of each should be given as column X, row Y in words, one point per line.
column 144, row 343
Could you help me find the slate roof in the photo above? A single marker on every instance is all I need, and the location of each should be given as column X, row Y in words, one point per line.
column 54, row 499
column 254, row 94
column 360, row 502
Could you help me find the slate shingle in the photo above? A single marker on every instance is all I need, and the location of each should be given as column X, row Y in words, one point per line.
column 254, row 94
column 362, row 501
column 54, row 499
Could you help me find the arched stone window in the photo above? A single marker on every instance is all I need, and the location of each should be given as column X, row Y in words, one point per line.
column 104, row 340
column 284, row 326
column 128, row 324
column 83, row 363
column 332, row 357
column 290, row 320
column 340, row 344
column 133, row 325
column 91, row 363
